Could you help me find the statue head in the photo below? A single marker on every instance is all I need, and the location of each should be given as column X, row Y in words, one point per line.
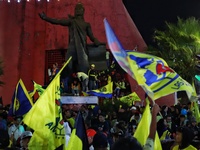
column 79, row 9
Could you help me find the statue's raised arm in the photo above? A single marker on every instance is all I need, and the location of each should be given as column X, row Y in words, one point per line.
column 79, row 30
column 63, row 22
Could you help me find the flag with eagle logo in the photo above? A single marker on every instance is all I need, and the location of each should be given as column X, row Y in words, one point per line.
column 21, row 100
column 152, row 73
column 105, row 91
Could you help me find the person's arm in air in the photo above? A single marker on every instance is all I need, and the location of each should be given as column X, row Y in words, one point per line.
column 153, row 126
column 63, row 22
column 150, row 141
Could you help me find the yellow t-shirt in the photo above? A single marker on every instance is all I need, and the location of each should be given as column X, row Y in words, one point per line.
column 190, row 147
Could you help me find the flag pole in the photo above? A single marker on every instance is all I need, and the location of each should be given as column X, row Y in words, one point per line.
column 63, row 66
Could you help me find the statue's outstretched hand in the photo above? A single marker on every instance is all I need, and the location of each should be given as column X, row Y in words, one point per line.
column 42, row 15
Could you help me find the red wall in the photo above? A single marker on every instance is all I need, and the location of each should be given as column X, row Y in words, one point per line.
column 24, row 37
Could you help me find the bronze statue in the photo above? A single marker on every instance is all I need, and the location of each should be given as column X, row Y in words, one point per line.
column 78, row 32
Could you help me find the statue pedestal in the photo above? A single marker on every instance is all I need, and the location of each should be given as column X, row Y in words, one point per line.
column 97, row 56
column 79, row 100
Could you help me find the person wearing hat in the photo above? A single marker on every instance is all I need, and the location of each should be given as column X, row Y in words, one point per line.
column 25, row 138
column 90, row 135
column 135, row 114
column 92, row 77
column 131, row 143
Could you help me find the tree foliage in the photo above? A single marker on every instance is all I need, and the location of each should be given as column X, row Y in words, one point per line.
column 178, row 45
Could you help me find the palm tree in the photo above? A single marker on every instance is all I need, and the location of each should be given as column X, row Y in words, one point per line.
column 1, row 71
column 178, row 45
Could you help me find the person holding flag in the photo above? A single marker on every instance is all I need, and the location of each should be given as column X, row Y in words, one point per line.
column 131, row 143
column 152, row 73
column 45, row 118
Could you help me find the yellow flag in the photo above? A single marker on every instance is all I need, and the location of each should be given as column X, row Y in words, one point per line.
column 85, row 94
column 196, row 112
column 129, row 99
column 38, row 88
column 143, row 129
column 151, row 72
column 154, row 75
column 157, row 143
column 45, row 118
column 194, row 106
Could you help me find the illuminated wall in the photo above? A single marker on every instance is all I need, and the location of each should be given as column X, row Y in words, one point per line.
column 24, row 37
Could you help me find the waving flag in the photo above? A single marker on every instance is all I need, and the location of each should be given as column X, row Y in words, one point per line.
column 105, row 91
column 154, row 75
column 45, row 118
column 194, row 105
column 38, row 88
column 117, row 49
column 151, row 73
column 129, row 99
column 21, row 101
column 143, row 129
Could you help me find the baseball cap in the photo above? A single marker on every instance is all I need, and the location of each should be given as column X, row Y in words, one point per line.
column 92, row 65
column 90, row 132
column 26, row 134
column 133, row 108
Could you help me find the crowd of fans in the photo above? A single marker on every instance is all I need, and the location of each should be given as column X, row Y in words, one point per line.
column 109, row 125
column 107, row 128
column 122, row 122
column 79, row 82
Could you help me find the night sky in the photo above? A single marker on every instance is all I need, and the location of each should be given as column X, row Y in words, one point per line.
column 152, row 14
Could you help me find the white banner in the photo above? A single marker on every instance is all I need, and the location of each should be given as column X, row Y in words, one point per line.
column 79, row 99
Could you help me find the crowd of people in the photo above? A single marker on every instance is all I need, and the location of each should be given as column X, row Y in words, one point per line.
column 79, row 82
column 106, row 129
column 176, row 126
column 112, row 128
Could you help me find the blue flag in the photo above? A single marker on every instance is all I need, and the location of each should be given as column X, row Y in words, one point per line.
column 78, row 139
column 117, row 50
column 21, row 101
column 105, row 91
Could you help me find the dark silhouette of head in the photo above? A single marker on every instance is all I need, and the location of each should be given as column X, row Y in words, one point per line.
column 100, row 141
column 127, row 143
column 186, row 137
column 79, row 9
